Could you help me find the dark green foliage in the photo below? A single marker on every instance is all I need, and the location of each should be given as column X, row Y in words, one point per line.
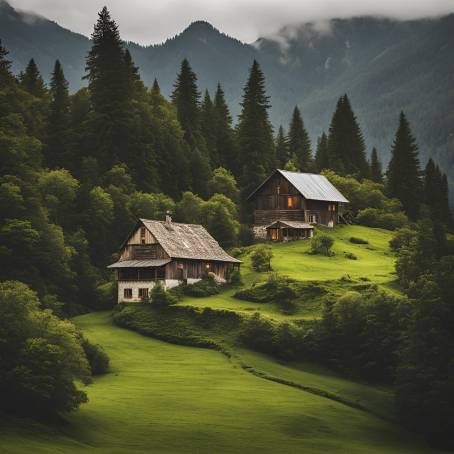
column 351, row 256
column 282, row 148
column 404, row 237
column 205, row 287
column 322, row 154
column 261, row 257
column 96, row 356
column 376, row 217
column 404, row 175
column 376, row 172
column 346, row 149
column 257, row 155
column 322, row 244
column 257, row 333
column 41, row 356
column 356, row 240
column 160, row 297
column 32, row 81
column 208, row 128
column 6, row 76
column 234, row 277
column 223, row 182
column 299, row 145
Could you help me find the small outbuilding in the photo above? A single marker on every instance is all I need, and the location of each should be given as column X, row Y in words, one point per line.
column 289, row 231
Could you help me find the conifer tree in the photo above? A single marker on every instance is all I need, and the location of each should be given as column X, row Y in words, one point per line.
column 32, row 81
column 282, row 154
column 56, row 150
column 186, row 99
column 403, row 174
column 346, row 147
column 5, row 67
column 155, row 93
column 299, row 144
column 226, row 144
column 445, row 206
column 321, row 154
column 208, row 128
column 376, row 173
column 255, row 135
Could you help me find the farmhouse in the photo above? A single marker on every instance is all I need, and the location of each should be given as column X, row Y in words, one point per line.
column 288, row 204
column 170, row 253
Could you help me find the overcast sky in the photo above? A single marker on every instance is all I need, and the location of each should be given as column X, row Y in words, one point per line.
column 152, row 21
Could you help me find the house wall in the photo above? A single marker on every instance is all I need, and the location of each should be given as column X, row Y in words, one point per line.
column 136, row 249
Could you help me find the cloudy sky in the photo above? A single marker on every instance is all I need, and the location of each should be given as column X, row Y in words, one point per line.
column 152, row 21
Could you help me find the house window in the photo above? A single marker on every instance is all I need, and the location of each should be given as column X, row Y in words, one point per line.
column 274, row 234
column 142, row 235
column 127, row 293
column 143, row 293
column 290, row 202
column 312, row 219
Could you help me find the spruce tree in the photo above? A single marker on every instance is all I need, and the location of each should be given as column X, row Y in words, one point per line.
column 282, row 154
column 299, row 145
column 346, row 147
column 56, row 150
column 186, row 99
column 208, row 129
column 226, row 145
column 32, row 81
column 404, row 174
column 445, row 207
column 155, row 93
column 375, row 173
column 321, row 154
column 6, row 76
column 436, row 195
column 255, row 136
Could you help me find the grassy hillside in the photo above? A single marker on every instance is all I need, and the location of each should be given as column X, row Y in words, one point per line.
column 374, row 265
column 165, row 398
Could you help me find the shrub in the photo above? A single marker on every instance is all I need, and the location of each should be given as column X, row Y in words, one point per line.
column 375, row 217
column 402, row 238
column 234, row 277
column 205, row 287
column 356, row 240
column 261, row 258
column 160, row 297
column 350, row 255
column 257, row 333
column 97, row 357
column 322, row 244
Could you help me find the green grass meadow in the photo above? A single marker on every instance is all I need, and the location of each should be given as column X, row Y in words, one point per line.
column 165, row 398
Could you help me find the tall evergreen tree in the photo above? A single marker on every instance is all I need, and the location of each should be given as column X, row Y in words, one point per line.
column 299, row 144
column 186, row 99
column 404, row 174
column 445, row 207
column 226, row 145
column 376, row 172
column 282, row 153
column 32, row 81
column 345, row 141
column 5, row 67
column 255, row 135
column 208, row 128
column 321, row 154
column 155, row 93
column 56, row 150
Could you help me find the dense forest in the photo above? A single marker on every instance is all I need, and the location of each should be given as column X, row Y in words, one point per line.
column 77, row 170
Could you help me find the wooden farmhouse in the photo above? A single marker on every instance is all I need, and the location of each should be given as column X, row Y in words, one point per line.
column 288, row 204
column 170, row 253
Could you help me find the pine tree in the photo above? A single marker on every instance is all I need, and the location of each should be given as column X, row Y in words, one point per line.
column 56, row 150
column 403, row 174
column 346, row 147
column 208, row 129
column 155, row 93
column 186, row 99
column 299, row 144
column 375, row 173
column 255, row 136
column 282, row 153
column 436, row 195
column 110, row 85
column 6, row 76
column 226, row 145
column 32, row 81
column 321, row 155
column 445, row 207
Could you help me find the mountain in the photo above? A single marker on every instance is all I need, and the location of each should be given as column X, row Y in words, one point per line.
column 384, row 65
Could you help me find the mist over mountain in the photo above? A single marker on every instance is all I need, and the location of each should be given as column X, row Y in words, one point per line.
column 384, row 65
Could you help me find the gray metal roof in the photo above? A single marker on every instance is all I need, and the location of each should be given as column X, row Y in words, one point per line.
column 313, row 186
column 139, row 263
column 291, row 224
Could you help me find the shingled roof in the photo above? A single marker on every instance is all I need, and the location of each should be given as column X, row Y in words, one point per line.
column 310, row 185
column 187, row 241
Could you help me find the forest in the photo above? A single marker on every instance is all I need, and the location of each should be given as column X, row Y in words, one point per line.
column 76, row 171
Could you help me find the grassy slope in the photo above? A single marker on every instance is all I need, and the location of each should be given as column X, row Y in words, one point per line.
column 375, row 262
column 166, row 398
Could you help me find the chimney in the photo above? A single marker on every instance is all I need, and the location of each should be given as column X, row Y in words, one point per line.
column 168, row 219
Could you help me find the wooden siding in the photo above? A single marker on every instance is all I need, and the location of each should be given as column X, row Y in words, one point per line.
column 197, row 269
column 141, row 247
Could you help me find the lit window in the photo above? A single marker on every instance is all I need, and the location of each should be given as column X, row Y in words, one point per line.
column 127, row 293
column 290, row 202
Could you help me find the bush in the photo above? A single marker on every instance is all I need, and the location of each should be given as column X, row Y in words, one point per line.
column 234, row 277
column 261, row 258
column 160, row 297
column 257, row 333
column 322, row 244
column 403, row 237
column 97, row 357
column 375, row 217
column 356, row 240
column 350, row 255
column 205, row 287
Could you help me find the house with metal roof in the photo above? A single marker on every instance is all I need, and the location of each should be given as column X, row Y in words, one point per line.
column 169, row 253
column 288, row 204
